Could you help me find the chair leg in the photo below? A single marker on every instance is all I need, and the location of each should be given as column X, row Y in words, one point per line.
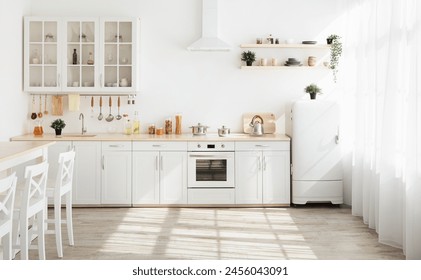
column 41, row 235
column 7, row 246
column 57, row 227
column 69, row 218
column 24, row 240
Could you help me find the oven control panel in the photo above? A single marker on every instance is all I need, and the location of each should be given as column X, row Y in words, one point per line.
column 211, row 146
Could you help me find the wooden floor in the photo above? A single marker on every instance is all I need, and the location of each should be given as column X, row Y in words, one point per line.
column 308, row 233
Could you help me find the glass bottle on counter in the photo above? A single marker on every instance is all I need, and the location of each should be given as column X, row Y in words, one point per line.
column 136, row 123
column 128, row 129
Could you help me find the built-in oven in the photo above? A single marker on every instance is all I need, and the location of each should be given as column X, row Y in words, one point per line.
column 211, row 165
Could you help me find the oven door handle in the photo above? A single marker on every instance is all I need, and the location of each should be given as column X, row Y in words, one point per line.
column 206, row 156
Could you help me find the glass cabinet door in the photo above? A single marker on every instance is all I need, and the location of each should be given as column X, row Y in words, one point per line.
column 118, row 54
column 81, row 55
column 42, row 60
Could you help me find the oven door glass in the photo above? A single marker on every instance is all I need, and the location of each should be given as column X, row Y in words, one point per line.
column 212, row 170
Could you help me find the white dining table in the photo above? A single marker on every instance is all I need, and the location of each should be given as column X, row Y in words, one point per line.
column 13, row 154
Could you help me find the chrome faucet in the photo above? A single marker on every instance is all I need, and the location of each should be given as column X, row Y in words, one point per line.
column 82, row 117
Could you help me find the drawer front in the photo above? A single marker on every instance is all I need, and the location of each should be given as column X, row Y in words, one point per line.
column 267, row 145
column 116, row 146
column 159, row 146
column 211, row 196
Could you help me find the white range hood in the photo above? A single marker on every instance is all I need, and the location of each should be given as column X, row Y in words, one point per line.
column 209, row 40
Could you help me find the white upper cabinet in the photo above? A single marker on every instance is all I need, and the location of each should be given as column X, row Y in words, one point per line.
column 42, row 55
column 81, row 54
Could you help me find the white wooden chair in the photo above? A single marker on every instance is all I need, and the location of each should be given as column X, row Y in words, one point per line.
column 7, row 201
column 62, row 187
column 30, row 207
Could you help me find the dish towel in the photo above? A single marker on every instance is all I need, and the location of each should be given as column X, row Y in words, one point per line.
column 74, row 102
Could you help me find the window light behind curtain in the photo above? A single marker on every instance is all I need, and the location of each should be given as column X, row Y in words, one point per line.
column 381, row 70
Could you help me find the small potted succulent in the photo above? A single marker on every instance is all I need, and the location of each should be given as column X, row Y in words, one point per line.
column 249, row 57
column 335, row 53
column 313, row 90
column 58, row 125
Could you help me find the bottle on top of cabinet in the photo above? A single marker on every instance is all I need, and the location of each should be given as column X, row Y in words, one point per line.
column 136, row 123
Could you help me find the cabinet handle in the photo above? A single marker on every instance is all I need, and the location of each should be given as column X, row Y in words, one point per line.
column 100, row 80
column 103, row 162
column 58, row 80
column 161, row 163
column 264, row 163
column 157, row 146
column 116, row 146
column 156, row 163
column 259, row 163
column 262, row 146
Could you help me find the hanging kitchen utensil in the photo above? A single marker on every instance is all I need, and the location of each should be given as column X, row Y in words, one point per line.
column 57, row 105
column 92, row 107
column 33, row 115
column 45, row 105
column 118, row 117
column 110, row 116
column 100, row 116
column 40, row 107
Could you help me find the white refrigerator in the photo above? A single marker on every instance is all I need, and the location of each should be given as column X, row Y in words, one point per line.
column 316, row 156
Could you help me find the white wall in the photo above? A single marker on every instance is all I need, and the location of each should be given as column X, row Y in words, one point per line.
column 13, row 101
column 209, row 87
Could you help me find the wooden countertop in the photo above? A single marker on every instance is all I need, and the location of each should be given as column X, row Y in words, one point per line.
column 12, row 153
column 148, row 137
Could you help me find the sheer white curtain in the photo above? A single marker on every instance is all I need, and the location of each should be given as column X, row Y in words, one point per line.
column 381, row 69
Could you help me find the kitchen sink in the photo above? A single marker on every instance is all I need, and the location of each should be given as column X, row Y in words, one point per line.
column 79, row 135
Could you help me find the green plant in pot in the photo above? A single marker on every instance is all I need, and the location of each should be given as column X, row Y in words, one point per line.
column 58, row 125
column 335, row 53
column 313, row 90
column 249, row 57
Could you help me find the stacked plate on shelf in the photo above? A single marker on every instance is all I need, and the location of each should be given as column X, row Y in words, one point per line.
column 293, row 62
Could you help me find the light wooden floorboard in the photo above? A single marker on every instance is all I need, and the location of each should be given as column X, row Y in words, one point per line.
column 308, row 233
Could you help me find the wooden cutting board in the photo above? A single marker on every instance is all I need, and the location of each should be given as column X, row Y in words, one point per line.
column 57, row 105
column 269, row 125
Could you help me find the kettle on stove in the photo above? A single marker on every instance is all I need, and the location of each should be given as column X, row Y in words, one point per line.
column 257, row 126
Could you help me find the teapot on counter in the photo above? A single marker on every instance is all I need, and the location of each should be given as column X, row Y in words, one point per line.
column 257, row 127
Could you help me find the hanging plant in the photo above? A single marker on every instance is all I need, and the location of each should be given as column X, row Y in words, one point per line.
column 335, row 53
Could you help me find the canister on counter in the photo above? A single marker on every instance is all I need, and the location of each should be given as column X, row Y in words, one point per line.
column 159, row 131
column 151, row 128
column 178, row 118
column 168, row 126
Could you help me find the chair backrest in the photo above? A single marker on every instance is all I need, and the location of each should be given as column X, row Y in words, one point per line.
column 35, row 185
column 7, row 197
column 64, row 177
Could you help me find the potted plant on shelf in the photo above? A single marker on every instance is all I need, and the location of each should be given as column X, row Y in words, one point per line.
column 58, row 125
column 249, row 57
column 335, row 53
column 313, row 90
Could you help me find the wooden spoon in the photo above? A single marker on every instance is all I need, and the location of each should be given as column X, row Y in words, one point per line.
column 40, row 107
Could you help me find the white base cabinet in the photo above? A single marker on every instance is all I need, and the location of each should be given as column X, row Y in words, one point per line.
column 116, row 173
column 87, row 173
column 159, row 173
column 262, row 173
